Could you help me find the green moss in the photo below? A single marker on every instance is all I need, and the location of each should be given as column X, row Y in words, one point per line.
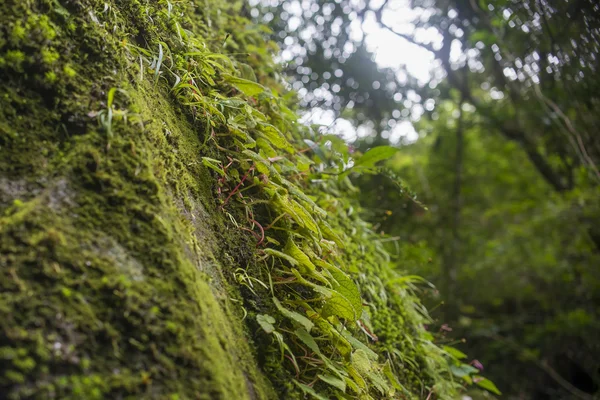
column 50, row 56
column 107, row 255
column 16, row 58
column 126, row 263
column 69, row 71
column 18, row 32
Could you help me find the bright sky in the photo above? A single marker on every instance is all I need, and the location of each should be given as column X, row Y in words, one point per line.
column 394, row 52
column 390, row 51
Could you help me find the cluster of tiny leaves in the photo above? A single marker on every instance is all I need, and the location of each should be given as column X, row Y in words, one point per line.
column 320, row 288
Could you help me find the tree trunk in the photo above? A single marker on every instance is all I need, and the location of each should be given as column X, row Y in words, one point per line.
column 452, row 248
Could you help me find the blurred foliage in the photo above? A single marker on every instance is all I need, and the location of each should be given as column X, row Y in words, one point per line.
column 506, row 223
column 518, row 275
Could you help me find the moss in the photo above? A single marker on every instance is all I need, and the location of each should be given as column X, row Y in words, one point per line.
column 49, row 56
column 15, row 58
column 128, row 265
column 111, row 286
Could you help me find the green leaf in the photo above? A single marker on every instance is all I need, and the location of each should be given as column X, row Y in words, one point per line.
column 333, row 381
column 486, row 384
column 339, row 306
column 266, row 322
column 213, row 164
column 315, row 147
column 330, row 234
column 338, row 145
column 308, row 390
column 277, row 253
column 247, row 72
column 357, row 344
column 310, row 204
column 304, row 217
column 361, row 361
column 299, row 318
column 343, row 286
column 110, row 97
column 275, row 137
column 387, row 370
column 245, row 86
column 262, row 165
column 374, row 155
column 463, row 370
column 266, row 148
column 308, row 340
column 459, row 355
column 341, row 344
column 293, row 251
column 367, row 367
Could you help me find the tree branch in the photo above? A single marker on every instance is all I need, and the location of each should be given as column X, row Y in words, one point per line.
column 409, row 38
column 536, row 158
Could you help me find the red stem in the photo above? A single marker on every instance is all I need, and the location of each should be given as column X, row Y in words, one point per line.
column 235, row 190
column 294, row 364
column 262, row 232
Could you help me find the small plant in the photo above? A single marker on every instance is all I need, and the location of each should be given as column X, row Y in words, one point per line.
column 340, row 319
column 106, row 116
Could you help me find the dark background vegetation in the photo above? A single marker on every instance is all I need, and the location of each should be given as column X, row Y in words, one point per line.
column 506, row 223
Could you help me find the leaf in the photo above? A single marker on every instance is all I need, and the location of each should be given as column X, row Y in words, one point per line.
column 213, row 164
column 110, row 97
column 361, row 363
column 459, row 355
column 245, row 86
column 365, row 366
column 357, row 344
column 387, row 370
column 347, row 288
column 357, row 377
column 276, row 138
column 463, row 370
column 293, row 251
column 283, row 347
column 277, row 253
column 379, row 382
column 330, row 234
column 159, row 62
column 308, row 390
column 247, row 72
column 266, row 322
column 333, row 381
column 407, row 280
column 345, row 301
column 266, row 148
column 374, row 155
column 315, row 147
column 339, row 306
column 262, row 165
column 337, row 144
column 301, row 319
column 308, row 340
column 295, row 191
column 486, row 384
column 341, row 344
column 304, row 217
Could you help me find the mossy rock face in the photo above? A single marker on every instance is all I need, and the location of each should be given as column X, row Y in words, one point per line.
column 111, row 248
column 163, row 232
